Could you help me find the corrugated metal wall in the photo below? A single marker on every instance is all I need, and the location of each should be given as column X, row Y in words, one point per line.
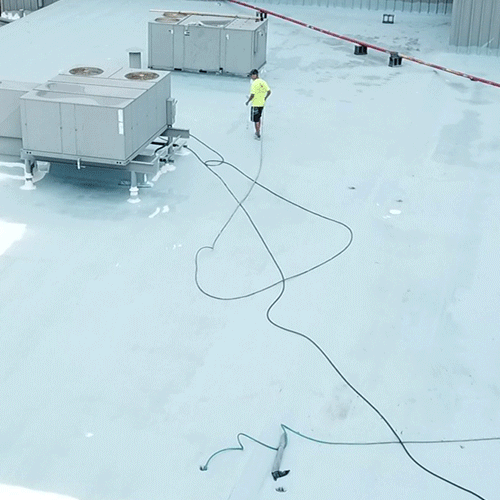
column 476, row 23
column 8, row 5
column 423, row 6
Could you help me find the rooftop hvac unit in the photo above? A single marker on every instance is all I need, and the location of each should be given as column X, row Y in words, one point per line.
column 207, row 43
column 101, row 117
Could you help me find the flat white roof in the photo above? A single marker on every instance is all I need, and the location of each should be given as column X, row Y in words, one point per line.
column 119, row 378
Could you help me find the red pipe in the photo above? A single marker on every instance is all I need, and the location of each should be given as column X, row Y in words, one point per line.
column 300, row 23
column 364, row 44
column 452, row 71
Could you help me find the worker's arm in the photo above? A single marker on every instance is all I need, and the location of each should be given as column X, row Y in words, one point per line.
column 268, row 94
column 249, row 99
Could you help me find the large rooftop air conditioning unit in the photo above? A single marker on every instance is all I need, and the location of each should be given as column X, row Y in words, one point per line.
column 96, row 116
column 207, row 43
column 105, row 118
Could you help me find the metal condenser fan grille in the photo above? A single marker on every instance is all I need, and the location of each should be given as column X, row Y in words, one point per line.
column 86, row 71
column 169, row 19
column 142, row 75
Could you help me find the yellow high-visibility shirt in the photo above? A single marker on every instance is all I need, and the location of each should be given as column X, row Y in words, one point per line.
column 259, row 90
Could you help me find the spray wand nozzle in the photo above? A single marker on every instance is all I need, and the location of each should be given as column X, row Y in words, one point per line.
column 276, row 472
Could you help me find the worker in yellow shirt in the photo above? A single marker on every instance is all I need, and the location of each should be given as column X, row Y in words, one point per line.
column 259, row 92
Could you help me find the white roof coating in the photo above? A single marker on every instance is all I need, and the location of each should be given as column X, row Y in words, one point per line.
column 119, row 378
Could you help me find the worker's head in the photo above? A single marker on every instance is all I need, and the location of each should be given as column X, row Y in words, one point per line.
column 254, row 74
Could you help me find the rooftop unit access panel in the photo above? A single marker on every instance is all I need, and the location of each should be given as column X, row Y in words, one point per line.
column 204, row 43
column 10, row 115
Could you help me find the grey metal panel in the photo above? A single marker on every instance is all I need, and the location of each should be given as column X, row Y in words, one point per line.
column 146, row 111
column 68, row 129
column 150, row 44
column 142, row 124
column 20, row 4
column 161, row 45
column 239, row 51
column 262, row 52
column 495, row 25
column 456, row 23
column 178, row 47
column 10, row 114
column 476, row 23
column 136, row 117
column 134, row 132
column 163, row 93
column 144, row 119
column 98, row 133
column 484, row 24
column 201, row 48
column 246, row 46
column 41, row 125
column 156, row 105
column 25, row 4
column 10, row 146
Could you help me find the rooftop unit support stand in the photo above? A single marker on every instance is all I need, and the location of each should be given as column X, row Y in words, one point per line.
column 360, row 50
column 395, row 59
column 144, row 183
column 28, row 175
column 134, row 190
column 260, row 16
